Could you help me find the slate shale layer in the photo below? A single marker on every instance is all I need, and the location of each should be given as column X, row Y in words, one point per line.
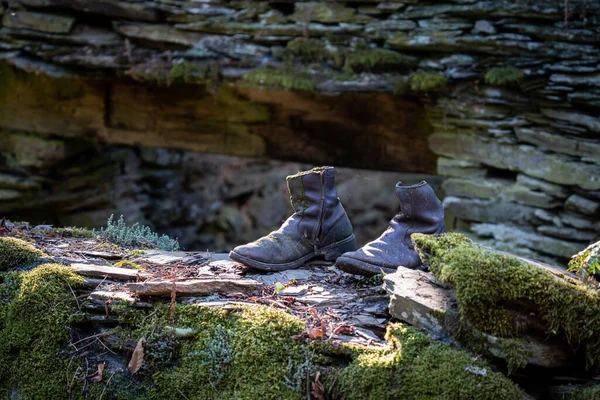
column 502, row 90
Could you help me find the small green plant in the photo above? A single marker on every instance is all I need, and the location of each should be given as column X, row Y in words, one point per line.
column 218, row 355
column 503, row 76
column 587, row 260
column 136, row 235
column 425, row 81
column 15, row 252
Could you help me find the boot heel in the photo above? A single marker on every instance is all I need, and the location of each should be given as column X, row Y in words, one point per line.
column 332, row 252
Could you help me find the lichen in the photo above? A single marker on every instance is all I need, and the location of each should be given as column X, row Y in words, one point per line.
column 15, row 252
column 486, row 282
column 376, row 60
column 286, row 78
column 503, row 76
column 427, row 81
column 415, row 367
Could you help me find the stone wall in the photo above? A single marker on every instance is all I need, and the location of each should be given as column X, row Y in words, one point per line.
column 504, row 94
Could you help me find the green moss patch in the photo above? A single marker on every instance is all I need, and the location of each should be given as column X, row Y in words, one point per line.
column 426, row 81
column 377, row 60
column 587, row 260
column 488, row 283
column 289, row 79
column 15, row 252
column 37, row 309
column 415, row 367
column 503, row 76
column 308, row 49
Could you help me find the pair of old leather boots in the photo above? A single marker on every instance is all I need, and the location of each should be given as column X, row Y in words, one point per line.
column 320, row 227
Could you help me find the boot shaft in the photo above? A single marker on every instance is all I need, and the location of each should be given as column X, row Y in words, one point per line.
column 307, row 188
column 419, row 202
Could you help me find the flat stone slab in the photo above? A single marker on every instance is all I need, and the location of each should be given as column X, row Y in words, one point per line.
column 113, row 273
column 197, row 287
column 417, row 298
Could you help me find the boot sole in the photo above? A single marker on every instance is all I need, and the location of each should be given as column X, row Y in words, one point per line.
column 330, row 253
column 358, row 267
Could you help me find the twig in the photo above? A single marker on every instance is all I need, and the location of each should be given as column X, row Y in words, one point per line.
column 106, row 347
column 184, row 396
column 90, row 337
column 101, row 282
column 105, row 386
column 76, row 301
column 148, row 316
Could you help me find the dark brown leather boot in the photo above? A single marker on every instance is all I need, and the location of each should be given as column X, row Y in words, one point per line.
column 420, row 211
column 319, row 227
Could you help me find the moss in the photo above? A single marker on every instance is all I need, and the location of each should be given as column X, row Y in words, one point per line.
column 586, row 393
column 426, row 81
column 515, row 353
column 135, row 253
column 127, row 264
column 247, row 353
column 310, row 50
column 587, row 260
column 287, row 78
column 376, row 60
column 36, row 315
column 486, row 282
column 503, row 76
column 415, row 367
column 186, row 72
column 72, row 231
column 15, row 252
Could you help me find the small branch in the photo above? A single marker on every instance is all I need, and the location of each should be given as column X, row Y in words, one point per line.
column 76, row 301
column 105, row 386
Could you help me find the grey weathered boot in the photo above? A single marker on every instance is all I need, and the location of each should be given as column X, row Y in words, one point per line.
column 319, row 227
column 420, row 211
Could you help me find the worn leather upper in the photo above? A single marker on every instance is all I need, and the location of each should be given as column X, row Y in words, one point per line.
column 420, row 211
column 319, row 220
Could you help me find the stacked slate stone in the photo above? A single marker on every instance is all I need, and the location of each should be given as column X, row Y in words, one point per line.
column 512, row 88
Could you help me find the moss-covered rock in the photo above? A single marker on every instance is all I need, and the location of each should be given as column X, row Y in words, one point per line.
column 487, row 283
column 377, row 60
column 15, row 252
column 503, row 76
column 426, row 81
column 415, row 367
column 308, row 49
column 289, row 79
column 37, row 309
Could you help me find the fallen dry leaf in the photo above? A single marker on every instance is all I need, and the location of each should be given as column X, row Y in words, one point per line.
column 318, row 390
column 344, row 330
column 97, row 376
column 315, row 333
column 137, row 357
